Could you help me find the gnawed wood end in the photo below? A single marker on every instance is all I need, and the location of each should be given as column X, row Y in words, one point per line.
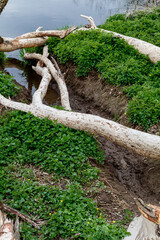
column 149, row 211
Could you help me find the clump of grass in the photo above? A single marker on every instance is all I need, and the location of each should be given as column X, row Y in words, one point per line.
column 144, row 109
column 118, row 63
column 144, row 25
column 26, row 139
column 7, row 87
column 2, row 57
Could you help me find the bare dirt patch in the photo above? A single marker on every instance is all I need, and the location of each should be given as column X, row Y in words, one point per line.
column 125, row 175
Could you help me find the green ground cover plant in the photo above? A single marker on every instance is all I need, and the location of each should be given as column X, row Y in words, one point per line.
column 64, row 153
column 144, row 109
column 67, row 212
column 2, row 57
column 118, row 63
column 144, row 25
column 7, row 86
column 53, row 147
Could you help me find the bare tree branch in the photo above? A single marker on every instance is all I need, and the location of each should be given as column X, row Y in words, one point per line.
column 33, row 39
column 139, row 142
column 91, row 20
column 5, row 208
column 48, row 33
column 60, row 81
column 143, row 47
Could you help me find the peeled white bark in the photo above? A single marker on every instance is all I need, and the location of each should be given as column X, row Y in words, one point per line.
column 142, row 143
column 6, row 228
column 143, row 47
column 55, row 74
column 39, row 38
column 33, row 39
column 142, row 229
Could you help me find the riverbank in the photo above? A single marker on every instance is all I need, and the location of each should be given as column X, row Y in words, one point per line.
column 130, row 169
column 124, row 175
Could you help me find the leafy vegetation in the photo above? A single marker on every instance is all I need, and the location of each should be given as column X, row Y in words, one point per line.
column 144, row 25
column 62, row 152
column 26, row 139
column 119, row 64
column 30, row 50
column 145, row 108
column 2, row 57
column 68, row 213
column 7, row 86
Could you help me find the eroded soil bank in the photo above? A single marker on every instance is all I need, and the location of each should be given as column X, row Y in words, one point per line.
column 126, row 175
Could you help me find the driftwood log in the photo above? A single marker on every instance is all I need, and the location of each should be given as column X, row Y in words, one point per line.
column 142, row 143
column 147, row 226
column 38, row 38
column 143, row 47
column 137, row 141
column 32, row 39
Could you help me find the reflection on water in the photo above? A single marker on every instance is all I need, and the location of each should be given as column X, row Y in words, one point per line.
column 23, row 16
column 28, row 78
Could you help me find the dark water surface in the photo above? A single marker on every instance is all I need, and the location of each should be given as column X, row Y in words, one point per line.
column 21, row 16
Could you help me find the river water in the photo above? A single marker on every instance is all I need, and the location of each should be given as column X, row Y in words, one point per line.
column 21, row 16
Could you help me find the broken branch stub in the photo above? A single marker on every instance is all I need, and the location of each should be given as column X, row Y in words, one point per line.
column 149, row 211
column 49, row 33
column 143, row 47
column 32, row 39
column 91, row 21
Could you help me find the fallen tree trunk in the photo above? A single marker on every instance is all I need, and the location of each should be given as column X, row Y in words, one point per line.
column 39, row 38
column 33, row 39
column 145, row 227
column 142, row 143
column 143, row 47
